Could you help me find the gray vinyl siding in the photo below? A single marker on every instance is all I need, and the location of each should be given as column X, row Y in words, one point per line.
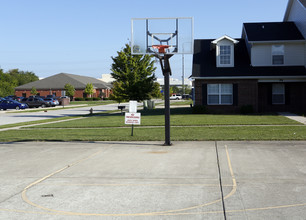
column 298, row 16
column 261, row 54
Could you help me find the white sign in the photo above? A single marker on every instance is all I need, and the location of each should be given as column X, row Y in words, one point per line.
column 133, row 106
column 132, row 118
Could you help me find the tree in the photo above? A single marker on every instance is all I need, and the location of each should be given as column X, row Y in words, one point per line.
column 22, row 77
column 12, row 79
column 69, row 90
column 33, row 91
column 156, row 91
column 133, row 74
column 89, row 90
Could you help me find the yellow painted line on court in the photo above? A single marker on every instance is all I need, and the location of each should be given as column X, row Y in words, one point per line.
column 232, row 174
column 135, row 184
column 163, row 213
column 181, row 213
column 25, row 198
column 240, row 210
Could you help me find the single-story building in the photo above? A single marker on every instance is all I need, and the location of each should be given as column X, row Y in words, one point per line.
column 55, row 85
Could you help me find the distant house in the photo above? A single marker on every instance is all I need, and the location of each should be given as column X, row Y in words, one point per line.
column 55, row 85
column 265, row 68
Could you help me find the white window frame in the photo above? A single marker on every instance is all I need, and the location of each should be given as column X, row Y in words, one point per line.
column 230, row 55
column 277, row 92
column 226, row 49
column 220, row 94
column 278, row 50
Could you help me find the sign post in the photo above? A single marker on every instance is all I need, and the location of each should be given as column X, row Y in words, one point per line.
column 132, row 117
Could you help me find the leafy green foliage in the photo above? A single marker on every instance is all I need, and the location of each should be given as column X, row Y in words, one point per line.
column 156, row 91
column 134, row 76
column 33, row 91
column 13, row 78
column 69, row 90
column 89, row 90
column 179, row 90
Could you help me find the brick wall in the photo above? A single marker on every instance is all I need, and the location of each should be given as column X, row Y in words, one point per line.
column 250, row 92
column 77, row 94
column 247, row 94
column 295, row 98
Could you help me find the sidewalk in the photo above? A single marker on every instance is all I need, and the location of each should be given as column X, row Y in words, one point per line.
column 294, row 117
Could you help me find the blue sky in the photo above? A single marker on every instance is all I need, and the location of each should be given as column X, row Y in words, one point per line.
column 80, row 36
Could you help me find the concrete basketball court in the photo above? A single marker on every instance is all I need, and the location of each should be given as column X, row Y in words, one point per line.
column 144, row 180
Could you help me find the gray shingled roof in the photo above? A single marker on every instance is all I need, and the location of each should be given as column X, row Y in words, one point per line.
column 272, row 31
column 59, row 81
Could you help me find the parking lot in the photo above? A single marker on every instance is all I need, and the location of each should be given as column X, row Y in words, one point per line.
column 105, row 180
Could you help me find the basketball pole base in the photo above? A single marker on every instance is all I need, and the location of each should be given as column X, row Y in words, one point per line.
column 165, row 66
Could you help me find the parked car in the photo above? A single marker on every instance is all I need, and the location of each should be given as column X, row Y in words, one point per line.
column 18, row 98
column 175, row 97
column 51, row 96
column 186, row 96
column 35, row 102
column 12, row 104
column 52, row 102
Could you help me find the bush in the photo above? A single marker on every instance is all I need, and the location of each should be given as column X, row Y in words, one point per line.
column 246, row 109
column 106, row 98
column 199, row 109
column 96, row 98
column 79, row 99
column 88, row 99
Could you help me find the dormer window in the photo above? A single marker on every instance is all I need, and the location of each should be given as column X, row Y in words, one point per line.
column 278, row 53
column 225, row 54
column 225, row 51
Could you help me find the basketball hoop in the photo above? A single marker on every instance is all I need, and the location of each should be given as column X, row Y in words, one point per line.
column 161, row 48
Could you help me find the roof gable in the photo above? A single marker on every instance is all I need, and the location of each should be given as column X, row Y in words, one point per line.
column 272, row 31
column 59, row 81
column 225, row 37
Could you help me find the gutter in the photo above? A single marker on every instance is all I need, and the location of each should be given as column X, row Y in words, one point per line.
column 253, row 77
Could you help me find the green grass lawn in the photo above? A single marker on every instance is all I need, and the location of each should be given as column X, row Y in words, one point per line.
column 117, row 120
column 157, row 134
column 185, row 127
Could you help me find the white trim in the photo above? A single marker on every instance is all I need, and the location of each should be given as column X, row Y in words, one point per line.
column 277, row 41
column 281, row 80
column 288, row 9
column 225, row 37
column 219, row 94
column 231, row 56
column 282, row 94
column 253, row 77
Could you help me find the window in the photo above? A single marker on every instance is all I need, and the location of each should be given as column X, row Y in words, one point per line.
column 225, row 54
column 278, row 93
column 219, row 94
column 278, row 52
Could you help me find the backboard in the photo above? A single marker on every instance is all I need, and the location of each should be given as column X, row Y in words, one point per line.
column 176, row 33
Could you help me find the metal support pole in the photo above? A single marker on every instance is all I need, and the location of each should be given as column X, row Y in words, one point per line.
column 165, row 66
column 167, row 108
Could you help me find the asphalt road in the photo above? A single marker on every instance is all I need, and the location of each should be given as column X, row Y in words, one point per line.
column 9, row 117
column 106, row 180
